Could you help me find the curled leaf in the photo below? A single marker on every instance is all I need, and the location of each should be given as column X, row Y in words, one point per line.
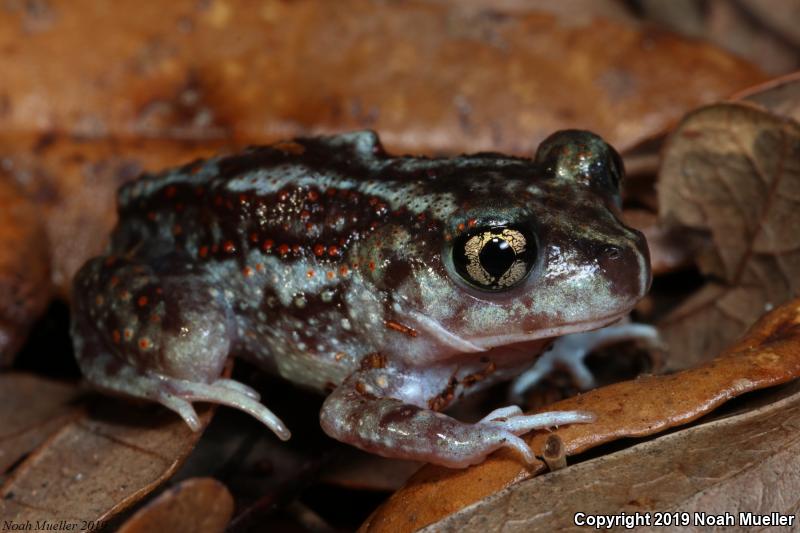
column 732, row 171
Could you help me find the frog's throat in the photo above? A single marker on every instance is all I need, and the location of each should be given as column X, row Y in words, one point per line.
column 485, row 343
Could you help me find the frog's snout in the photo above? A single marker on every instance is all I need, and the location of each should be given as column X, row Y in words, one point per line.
column 627, row 267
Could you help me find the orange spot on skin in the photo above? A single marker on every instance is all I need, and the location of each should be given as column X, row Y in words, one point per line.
column 203, row 251
column 247, row 271
column 460, row 226
column 144, row 343
column 295, row 248
column 471, row 223
column 260, row 267
column 267, row 245
column 309, row 226
column 310, row 273
column 402, row 328
column 319, row 250
column 333, row 251
column 229, row 247
column 115, row 335
column 339, row 356
column 170, row 191
column 283, row 249
column 343, row 270
column 128, row 334
column 142, row 301
column 329, row 274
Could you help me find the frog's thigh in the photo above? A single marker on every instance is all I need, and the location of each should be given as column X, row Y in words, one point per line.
column 159, row 337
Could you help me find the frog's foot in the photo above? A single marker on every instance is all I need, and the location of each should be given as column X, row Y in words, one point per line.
column 177, row 394
column 512, row 423
column 357, row 414
column 570, row 351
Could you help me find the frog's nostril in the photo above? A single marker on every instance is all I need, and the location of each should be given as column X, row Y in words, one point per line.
column 612, row 252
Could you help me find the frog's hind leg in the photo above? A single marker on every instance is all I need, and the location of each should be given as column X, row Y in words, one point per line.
column 158, row 335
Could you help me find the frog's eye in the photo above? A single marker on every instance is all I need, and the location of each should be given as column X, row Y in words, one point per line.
column 494, row 259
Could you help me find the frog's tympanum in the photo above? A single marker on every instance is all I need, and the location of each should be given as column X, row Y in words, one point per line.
column 395, row 284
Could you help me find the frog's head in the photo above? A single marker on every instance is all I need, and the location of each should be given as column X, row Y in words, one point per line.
column 531, row 249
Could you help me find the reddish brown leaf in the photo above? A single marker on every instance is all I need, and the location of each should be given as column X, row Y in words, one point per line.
column 731, row 170
column 767, row 356
column 72, row 183
column 31, row 409
column 24, row 285
column 197, row 505
column 430, row 76
column 749, row 462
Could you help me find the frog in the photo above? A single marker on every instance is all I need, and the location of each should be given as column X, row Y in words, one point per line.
column 395, row 285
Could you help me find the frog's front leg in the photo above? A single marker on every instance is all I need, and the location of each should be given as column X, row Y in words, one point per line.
column 160, row 334
column 381, row 410
column 570, row 351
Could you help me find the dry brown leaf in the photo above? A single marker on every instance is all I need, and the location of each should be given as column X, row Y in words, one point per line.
column 768, row 355
column 72, row 184
column 733, row 171
column 197, row 505
column 24, row 273
column 739, row 27
column 781, row 95
column 749, row 462
column 431, row 77
column 98, row 465
column 31, row 409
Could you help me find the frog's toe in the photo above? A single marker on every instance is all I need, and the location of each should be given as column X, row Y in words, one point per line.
column 519, row 424
column 230, row 393
column 237, row 386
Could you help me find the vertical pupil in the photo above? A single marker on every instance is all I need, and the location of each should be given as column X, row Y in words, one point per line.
column 497, row 256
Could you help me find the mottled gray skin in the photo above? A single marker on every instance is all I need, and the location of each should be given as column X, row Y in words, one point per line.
column 331, row 263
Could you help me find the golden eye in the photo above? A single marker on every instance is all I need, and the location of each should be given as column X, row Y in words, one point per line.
column 494, row 259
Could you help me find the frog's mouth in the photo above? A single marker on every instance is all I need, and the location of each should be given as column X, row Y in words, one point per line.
column 460, row 344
